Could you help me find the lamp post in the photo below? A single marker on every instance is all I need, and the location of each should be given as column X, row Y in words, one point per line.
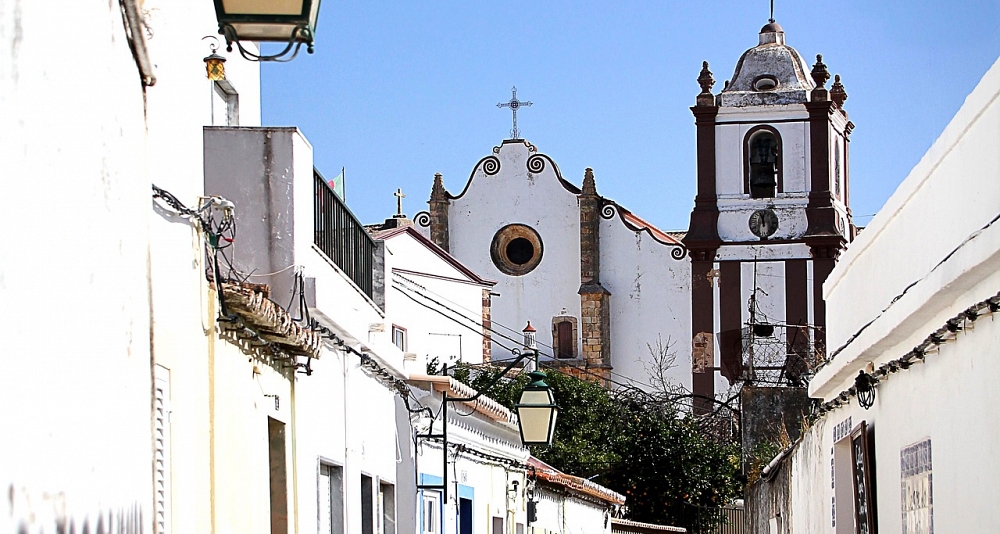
column 536, row 409
column 282, row 21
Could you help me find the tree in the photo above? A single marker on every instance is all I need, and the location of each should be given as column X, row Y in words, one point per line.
column 636, row 443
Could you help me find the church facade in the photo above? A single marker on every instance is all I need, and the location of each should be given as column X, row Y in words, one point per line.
column 614, row 299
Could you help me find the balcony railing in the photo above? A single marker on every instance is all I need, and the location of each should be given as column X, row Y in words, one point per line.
column 339, row 234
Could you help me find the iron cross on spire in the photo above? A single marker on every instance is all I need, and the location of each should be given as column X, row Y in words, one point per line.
column 399, row 201
column 514, row 104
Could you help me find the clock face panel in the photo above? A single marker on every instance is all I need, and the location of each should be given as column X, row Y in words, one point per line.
column 763, row 223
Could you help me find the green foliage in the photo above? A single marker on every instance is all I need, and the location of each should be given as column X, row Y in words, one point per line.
column 669, row 469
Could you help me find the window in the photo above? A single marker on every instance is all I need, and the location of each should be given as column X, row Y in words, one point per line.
column 497, row 526
column 278, row 476
column 399, row 337
column 836, row 168
column 430, row 522
column 762, row 162
column 387, row 508
column 516, row 249
column 367, row 505
column 331, row 499
column 161, row 446
column 854, row 510
column 564, row 333
column 564, row 342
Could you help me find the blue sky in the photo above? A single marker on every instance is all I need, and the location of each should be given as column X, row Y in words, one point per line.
column 399, row 91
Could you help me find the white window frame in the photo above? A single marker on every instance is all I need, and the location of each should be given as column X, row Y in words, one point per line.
column 430, row 523
column 401, row 332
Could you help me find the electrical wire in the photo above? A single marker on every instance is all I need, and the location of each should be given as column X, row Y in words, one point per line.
column 947, row 257
column 406, row 291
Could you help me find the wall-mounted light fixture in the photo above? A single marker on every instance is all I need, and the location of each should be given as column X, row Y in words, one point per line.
column 282, row 21
column 215, row 65
column 864, row 385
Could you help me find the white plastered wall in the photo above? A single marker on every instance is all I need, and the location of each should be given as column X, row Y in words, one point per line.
column 540, row 201
column 73, row 235
column 929, row 234
column 650, row 302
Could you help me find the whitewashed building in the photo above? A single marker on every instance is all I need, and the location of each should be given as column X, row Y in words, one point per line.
column 479, row 485
column 114, row 435
column 905, row 435
column 438, row 309
column 770, row 218
column 568, row 504
column 300, row 240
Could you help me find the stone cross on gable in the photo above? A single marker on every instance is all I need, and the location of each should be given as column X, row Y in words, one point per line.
column 399, row 201
column 514, row 104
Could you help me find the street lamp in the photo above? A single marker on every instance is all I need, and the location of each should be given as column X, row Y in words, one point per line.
column 283, row 21
column 536, row 410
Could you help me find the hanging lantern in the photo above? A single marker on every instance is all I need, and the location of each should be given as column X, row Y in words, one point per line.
column 215, row 66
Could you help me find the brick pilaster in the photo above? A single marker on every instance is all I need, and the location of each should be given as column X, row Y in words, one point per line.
column 595, row 323
column 487, row 326
column 438, row 204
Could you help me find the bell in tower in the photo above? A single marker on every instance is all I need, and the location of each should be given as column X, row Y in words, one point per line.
column 763, row 166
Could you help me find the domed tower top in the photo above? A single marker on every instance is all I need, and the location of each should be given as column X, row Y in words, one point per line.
column 771, row 73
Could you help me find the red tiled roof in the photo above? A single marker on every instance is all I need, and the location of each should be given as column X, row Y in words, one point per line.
column 552, row 475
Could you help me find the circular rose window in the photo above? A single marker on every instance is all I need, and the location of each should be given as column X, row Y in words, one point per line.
column 516, row 249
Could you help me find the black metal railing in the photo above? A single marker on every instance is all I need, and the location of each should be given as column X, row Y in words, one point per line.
column 339, row 234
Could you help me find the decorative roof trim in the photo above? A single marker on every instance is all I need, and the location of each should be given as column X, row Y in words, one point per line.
column 491, row 166
column 483, row 405
column 627, row 525
column 554, row 476
column 637, row 224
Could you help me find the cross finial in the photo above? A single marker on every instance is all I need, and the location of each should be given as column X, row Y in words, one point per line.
column 399, row 201
column 771, row 20
column 514, row 104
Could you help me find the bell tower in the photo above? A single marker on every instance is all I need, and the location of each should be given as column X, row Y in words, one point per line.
column 771, row 213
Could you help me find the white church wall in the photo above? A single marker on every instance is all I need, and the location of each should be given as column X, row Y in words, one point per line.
column 763, row 253
column 650, row 302
column 540, row 201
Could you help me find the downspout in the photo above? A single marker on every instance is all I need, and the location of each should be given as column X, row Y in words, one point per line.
column 135, row 32
column 347, row 445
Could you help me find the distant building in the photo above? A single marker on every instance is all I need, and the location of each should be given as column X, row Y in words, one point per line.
column 606, row 289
